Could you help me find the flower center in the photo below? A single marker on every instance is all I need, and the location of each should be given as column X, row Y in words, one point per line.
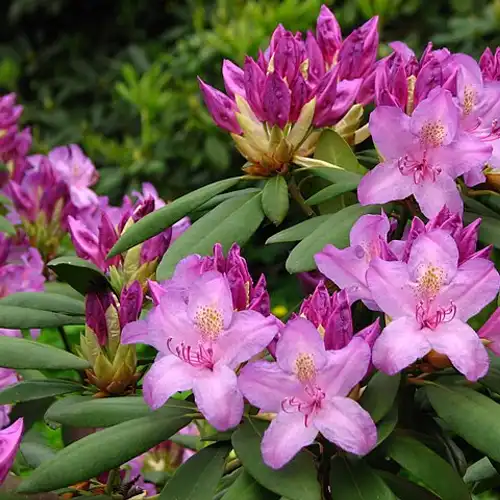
column 430, row 282
column 469, row 99
column 309, row 405
column 305, row 368
column 200, row 357
column 209, row 322
column 420, row 169
column 432, row 133
column 427, row 318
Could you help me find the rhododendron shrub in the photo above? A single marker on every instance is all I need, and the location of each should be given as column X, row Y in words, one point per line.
column 142, row 335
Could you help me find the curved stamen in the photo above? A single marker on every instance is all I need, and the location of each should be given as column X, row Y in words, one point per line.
column 202, row 357
column 307, row 408
column 421, row 169
column 426, row 319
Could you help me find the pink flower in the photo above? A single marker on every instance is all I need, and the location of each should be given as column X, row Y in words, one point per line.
column 490, row 65
column 429, row 300
column 423, row 154
column 308, row 387
column 347, row 267
column 10, row 438
column 200, row 342
column 7, row 377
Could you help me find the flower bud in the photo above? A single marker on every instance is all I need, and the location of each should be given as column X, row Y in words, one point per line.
column 328, row 34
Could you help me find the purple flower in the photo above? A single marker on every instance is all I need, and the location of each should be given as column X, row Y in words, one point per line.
column 7, row 377
column 423, row 154
column 10, row 438
column 347, row 267
column 490, row 331
column 201, row 341
column 429, row 300
column 308, row 387
column 490, row 65
column 328, row 35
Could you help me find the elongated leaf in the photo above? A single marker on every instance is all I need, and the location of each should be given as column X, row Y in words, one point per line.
column 233, row 221
column 379, row 395
column 492, row 378
column 155, row 222
column 295, row 481
column 331, row 192
column 355, row 480
column 19, row 318
column 299, row 231
column 480, row 470
column 36, row 453
column 332, row 148
column 20, row 353
column 247, row 488
column 81, row 411
column 405, row 489
column 428, row 466
column 471, row 415
column 197, row 479
column 489, row 230
column 217, row 200
column 59, row 288
column 44, row 301
column 37, row 389
column 327, row 171
column 6, row 226
column 275, row 202
column 334, row 230
column 103, row 451
column 386, row 425
column 475, row 208
column 82, row 275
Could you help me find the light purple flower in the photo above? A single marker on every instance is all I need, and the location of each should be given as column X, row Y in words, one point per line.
column 423, row 154
column 347, row 267
column 490, row 65
column 308, row 387
column 7, row 377
column 490, row 331
column 429, row 300
column 10, row 438
column 200, row 342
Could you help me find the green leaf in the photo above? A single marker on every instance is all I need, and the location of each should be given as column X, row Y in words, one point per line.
column 36, row 453
column 37, row 389
column 331, row 192
column 355, row 480
column 299, row 231
column 59, row 288
column 233, row 221
column 480, row 470
column 275, row 202
column 334, row 230
column 197, row 479
column 405, row 489
column 157, row 221
column 469, row 414
column 103, row 451
column 477, row 208
column 82, row 275
column 217, row 200
column 20, row 353
column 296, row 481
column 379, row 395
column 247, row 488
column 20, row 318
column 428, row 466
column 82, row 411
column 333, row 149
column 492, row 378
column 386, row 425
column 44, row 301
column 489, row 230
column 6, row 226
column 328, row 171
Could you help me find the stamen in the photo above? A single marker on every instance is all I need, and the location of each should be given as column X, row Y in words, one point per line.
column 432, row 133
column 305, row 368
column 420, row 169
column 442, row 315
column 209, row 322
column 307, row 408
column 202, row 357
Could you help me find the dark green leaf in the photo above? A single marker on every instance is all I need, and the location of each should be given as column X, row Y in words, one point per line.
column 6, row 226
column 299, row 231
column 386, row 425
column 331, row 192
column 157, row 221
column 296, row 481
column 471, row 415
column 36, row 453
column 355, row 480
column 217, row 200
column 20, row 318
column 428, row 466
column 37, row 389
column 333, row 174
column 333, row 149
column 405, row 489
column 103, row 451
column 489, row 230
column 197, row 479
column 480, row 470
column 233, row 221
column 20, row 353
column 247, row 488
column 275, row 202
column 334, row 230
column 60, row 288
column 44, row 301
column 82, row 275
column 379, row 395
column 477, row 208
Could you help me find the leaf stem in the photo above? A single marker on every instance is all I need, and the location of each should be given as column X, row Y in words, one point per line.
column 297, row 196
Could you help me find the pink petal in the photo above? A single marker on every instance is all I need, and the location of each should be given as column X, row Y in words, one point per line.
column 10, row 438
column 460, row 343
column 368, row 229
column 389, row 283
column 136, row 332
column 390, row 130
column 248, row 334
column 431, row 196
column 345, row 368
column 475, row 285
column 285, row 437
column 217, row 396
column 384, row 183
column 266, row 385
column 491, row 331
column 167, row 376
column 233, row 79
column 401, row 343
column 343, row 422
column 300, row 337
